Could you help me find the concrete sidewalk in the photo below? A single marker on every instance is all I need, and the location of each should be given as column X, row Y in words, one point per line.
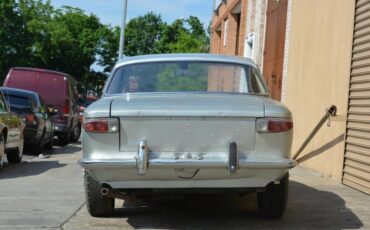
column 48, row 194
column 315, row 202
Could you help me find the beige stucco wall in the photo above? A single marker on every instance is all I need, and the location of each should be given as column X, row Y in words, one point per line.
column 317, row 76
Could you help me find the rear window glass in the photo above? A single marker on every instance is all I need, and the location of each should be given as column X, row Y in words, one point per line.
column 186, row 76
column 18, row 101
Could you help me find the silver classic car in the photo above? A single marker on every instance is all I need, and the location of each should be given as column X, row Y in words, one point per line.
column 186, row 122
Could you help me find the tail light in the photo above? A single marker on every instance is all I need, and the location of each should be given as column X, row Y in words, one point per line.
column 30, row 118
column 273, row 125
column 101, row 125
column 66, row 108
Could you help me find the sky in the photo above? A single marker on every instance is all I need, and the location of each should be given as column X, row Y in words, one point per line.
column 110, row 11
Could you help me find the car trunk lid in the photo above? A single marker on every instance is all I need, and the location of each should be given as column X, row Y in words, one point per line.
column 214, row 105
column 187, row 123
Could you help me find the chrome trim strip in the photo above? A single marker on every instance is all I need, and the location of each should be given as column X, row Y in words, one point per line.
column 190, row 163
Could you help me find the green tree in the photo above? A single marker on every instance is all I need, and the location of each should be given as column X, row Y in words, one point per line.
column 96, row 81
column 108, row 50
column 74, row 39
column 13, row 39
column 142, row 34
column 148, row 34
column 34, row 34
column 37, row 35
column 185, row 36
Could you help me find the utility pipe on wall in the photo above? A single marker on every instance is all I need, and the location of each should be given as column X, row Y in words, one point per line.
column 330, row 112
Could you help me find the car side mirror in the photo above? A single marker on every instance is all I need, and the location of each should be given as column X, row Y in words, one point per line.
column 52, row 111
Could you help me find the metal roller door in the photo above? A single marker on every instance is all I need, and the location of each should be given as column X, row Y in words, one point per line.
column 356, row 172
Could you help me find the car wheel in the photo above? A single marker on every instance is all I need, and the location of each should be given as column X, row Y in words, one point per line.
column 97, row 204
column 64, row 139
column 75, row 135
column 37, row 148
column 15, row 156
column 2, row 150
column 272, row 202
column 50, row 144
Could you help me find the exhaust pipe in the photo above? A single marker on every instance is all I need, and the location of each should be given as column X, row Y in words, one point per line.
column 111, row 193
column 104, row 191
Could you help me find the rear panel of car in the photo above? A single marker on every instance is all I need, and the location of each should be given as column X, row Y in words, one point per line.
column 184, row 135
column 195, row 146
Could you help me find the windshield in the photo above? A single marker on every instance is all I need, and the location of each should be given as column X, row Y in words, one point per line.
column 186, row 76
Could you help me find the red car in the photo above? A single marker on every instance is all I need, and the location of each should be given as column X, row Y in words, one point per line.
column 59, row 92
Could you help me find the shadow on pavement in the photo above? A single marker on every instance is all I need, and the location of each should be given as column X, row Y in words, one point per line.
column 308, row 208
column 67, row 149
column 57, row 143
column 57, row 149
column 30, row 168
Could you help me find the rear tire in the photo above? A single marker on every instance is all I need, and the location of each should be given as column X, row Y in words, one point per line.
column 49, row 145
column 272, row 202
column 2, row 150
column 97, row 204
column 64, row 139
column 15, row 156
column 76, row 132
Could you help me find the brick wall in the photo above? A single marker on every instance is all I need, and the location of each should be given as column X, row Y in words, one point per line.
column 243, row 27
column 259, row 32
column 235, row 13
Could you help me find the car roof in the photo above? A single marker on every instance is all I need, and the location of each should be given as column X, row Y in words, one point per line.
column 16, row 91
column 39, row 70
column 184, row 57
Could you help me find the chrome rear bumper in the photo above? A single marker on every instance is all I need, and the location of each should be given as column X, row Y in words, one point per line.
column 189, row 163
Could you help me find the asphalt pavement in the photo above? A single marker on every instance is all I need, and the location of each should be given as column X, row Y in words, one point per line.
column 47, row 193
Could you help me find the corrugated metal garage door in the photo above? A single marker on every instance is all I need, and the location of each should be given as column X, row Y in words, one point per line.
column 356, row 171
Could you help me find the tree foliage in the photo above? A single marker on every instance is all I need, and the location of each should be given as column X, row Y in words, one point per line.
column 148, row 34
column 35, row 34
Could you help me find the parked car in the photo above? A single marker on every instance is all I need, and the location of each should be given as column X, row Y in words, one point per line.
column 186, row 122
column 39, row 130
column 11, row 134
column 84, row 102
column 59, row 91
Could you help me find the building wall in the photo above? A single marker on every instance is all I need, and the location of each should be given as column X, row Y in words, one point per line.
column 286, row 51
column 259, row 32
column 234, row 14
column 252, row 20
column 318, row 76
